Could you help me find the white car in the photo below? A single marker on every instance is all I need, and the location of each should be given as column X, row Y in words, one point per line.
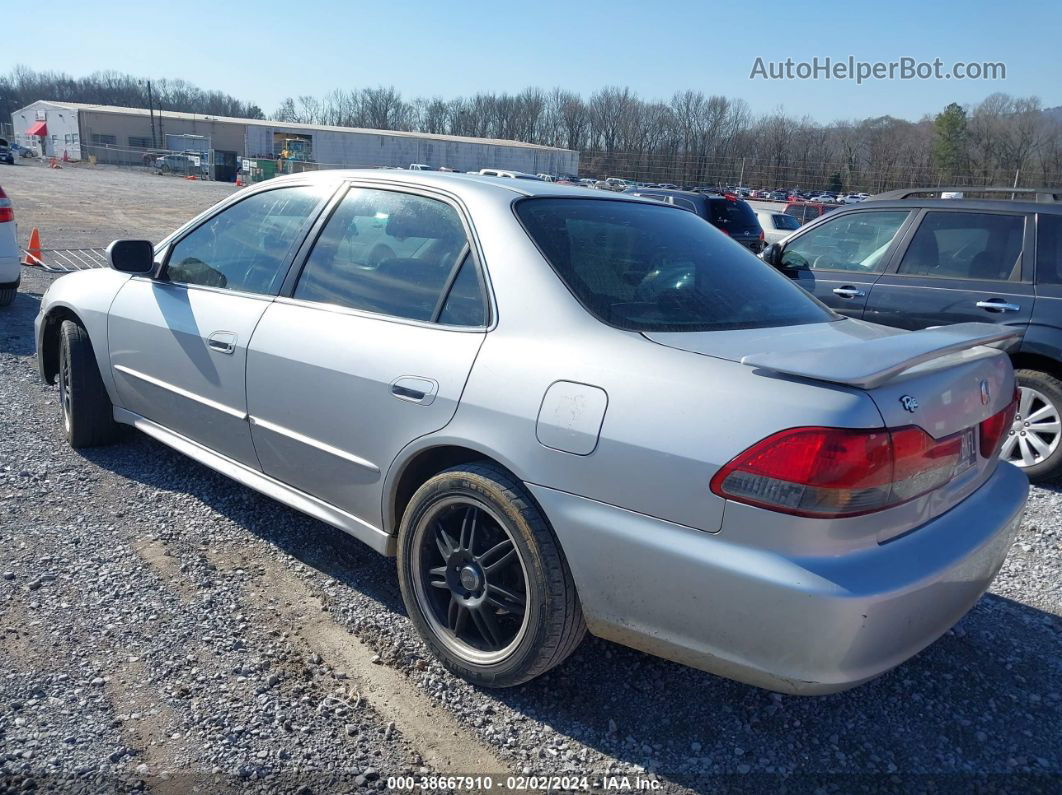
column 495, row 172
column 853, row 198
column 776, row 225
column 10, row 270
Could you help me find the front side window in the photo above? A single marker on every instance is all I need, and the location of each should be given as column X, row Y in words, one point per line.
column 247, row 246
column 856, row 242
column 392, row 253
column 650, row 267
column 966, row 246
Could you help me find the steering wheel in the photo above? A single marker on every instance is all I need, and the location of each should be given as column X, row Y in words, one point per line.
column 379, row 253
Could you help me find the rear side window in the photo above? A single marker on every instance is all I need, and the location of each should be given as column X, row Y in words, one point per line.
column 390, row 253
column 247, row 246
column 1049, row 249
column 733, row 216
column 649, row 267
column 966, row 246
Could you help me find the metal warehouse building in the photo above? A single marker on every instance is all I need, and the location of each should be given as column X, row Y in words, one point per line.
column 130, row 136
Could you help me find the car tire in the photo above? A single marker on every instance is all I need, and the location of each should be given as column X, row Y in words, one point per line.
column 88, row 415
column 7, row 295
column 508, row 545
column 1039, row 403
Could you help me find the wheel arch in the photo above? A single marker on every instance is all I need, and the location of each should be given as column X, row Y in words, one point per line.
column 419, row 463
column 49, row 341
column 1024, row 360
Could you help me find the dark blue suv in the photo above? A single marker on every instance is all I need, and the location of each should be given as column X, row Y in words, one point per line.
column 904, row 260
column 727, row 213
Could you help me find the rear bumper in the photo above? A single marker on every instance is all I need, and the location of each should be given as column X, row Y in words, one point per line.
column 10, row 271
column 795, row 625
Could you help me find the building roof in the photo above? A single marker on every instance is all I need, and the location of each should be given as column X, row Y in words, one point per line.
column 172, row 114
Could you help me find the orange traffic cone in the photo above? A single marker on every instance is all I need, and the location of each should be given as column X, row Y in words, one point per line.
column 239, row 182
column 33, row 250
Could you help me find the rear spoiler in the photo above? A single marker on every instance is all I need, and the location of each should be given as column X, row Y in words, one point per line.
column 872, row 363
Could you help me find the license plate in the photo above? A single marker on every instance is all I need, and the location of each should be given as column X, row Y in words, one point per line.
column 967, row 452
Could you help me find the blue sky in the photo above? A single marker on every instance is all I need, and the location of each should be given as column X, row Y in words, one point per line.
column 265, row 50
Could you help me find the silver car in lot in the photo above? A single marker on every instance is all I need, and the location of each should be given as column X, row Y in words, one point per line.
column 562, row 412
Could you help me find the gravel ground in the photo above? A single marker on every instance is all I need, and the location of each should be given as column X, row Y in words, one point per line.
column 162, row 626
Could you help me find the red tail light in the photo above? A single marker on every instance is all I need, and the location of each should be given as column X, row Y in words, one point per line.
column 6, row 213
column 995, row 428
column 762, row 237
column 835, row 472
column 723, row 231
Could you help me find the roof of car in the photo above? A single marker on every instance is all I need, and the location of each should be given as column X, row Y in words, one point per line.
column 457, row 182
column 954, row 204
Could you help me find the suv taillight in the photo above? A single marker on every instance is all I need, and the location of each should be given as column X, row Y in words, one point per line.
column 6, row 212
column 836, row 472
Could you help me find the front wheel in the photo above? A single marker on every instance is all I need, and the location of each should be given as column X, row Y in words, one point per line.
column 88, row 415
column 1033, row 441
column 484, row 580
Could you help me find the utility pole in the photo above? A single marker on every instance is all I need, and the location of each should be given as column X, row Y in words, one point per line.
column 151, row 115
column 741, row 179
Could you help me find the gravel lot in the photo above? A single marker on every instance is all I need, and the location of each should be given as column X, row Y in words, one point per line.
column 162, row 626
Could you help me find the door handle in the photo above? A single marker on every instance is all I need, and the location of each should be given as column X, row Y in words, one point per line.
column 998, row 305
column 848, row 292
column 222, row 342
column 415, row 389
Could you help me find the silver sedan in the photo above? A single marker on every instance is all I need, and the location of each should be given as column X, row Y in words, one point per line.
column 562, row 412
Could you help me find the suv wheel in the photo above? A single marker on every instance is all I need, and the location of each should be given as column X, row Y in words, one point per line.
column 1034, row 442
column 484, row 580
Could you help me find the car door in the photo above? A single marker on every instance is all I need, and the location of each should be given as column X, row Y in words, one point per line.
column 178, row 342
column 840, row 259
column 371, row 347
column 958, row 266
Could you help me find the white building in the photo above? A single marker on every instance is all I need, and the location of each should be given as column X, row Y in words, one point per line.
column 124, row 135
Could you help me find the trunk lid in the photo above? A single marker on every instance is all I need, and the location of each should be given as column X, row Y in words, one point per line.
column 943, row 380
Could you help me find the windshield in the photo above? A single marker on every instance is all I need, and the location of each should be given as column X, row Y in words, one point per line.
column 648, row 267
column 733, row 216
column 785, row 221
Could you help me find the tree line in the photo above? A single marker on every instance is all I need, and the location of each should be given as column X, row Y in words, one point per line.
column 694, row 138
column 22, row 86
column 691, row 139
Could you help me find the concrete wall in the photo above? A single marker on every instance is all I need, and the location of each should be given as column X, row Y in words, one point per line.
column 63, row 134
column 222, row 135
column 366, row 150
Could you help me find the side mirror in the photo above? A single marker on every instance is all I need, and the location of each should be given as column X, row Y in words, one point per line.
column 772, row 255
column 131, row 256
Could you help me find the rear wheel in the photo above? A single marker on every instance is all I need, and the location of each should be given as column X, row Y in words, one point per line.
column 88, row 415
column 7, row 295
column 1033, row 441
column 484, row 579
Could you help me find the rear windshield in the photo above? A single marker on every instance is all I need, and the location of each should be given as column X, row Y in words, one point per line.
column 648, row 267
column 733, row 216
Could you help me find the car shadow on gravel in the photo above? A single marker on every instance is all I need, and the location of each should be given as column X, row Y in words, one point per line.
column 16, row 324
column 314, row 543
column 931, row 715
